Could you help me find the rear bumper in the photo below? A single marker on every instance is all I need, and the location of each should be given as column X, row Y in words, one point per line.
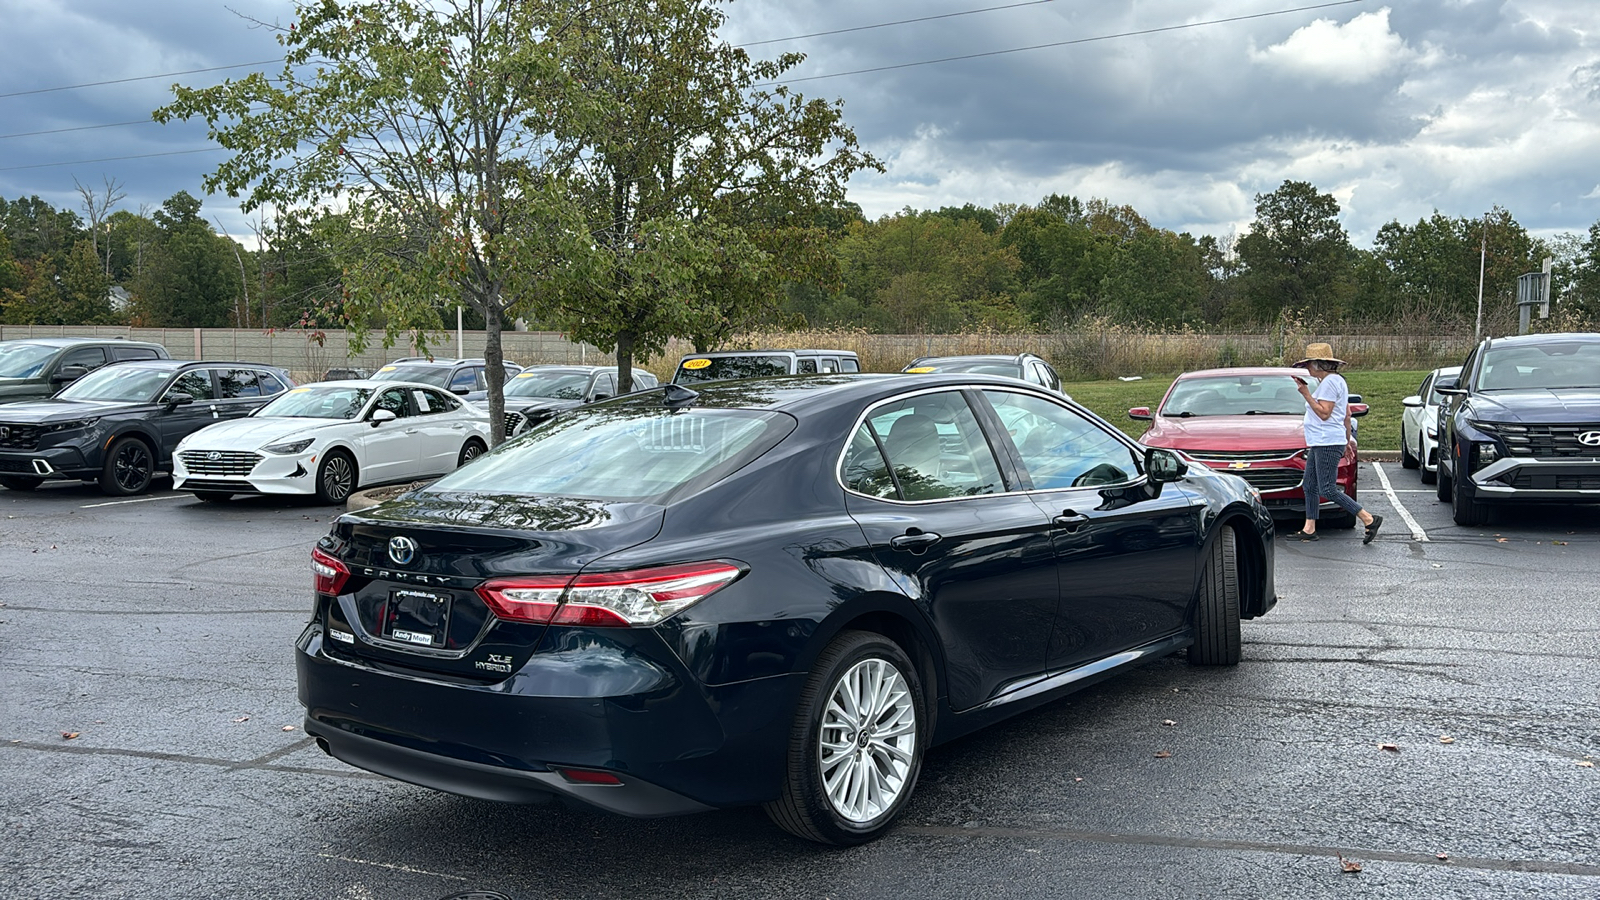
column 676, row 746
column 1522, row 480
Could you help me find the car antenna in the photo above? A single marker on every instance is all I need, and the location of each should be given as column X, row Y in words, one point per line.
column 676, row 395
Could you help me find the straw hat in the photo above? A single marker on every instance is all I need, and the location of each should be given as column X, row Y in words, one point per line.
column 1320, row 353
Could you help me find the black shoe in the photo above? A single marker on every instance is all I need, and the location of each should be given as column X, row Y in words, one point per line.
column 1304, row 536
column 1372, row 530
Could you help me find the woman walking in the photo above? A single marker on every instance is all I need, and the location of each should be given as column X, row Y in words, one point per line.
column 1327, row 428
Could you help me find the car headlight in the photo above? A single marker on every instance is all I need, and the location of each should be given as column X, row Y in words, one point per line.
column 289, row 446
column 70, row 426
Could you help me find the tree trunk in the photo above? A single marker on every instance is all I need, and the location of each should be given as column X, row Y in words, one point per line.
column 625, row 342
column 494, row 370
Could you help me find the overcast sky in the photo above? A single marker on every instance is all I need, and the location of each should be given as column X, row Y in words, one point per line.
column 1396, row 108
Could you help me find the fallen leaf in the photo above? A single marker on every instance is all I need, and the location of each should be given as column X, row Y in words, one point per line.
column 1437, row 566
column 1446, row 739
column 1077, row 779
column 1559, row 543
column 1348, row 865
column 288, row 728
column 1168, row 722
column 1587, row 764
column 1163, row 754
column 1441, row 856
column 242, row 719
column 1499, row 540
column 69, row 735
column 1392, row 748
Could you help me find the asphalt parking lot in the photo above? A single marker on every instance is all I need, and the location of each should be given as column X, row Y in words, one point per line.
column 1428, row 707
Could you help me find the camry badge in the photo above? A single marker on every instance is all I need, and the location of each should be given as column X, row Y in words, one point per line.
column 1588, row 438
column 402, row 549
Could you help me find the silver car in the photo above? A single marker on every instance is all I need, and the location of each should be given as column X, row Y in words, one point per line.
column 1419, row 423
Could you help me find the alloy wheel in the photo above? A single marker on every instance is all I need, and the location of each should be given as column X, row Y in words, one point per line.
column 337, row 477
column 132, row 467
column 867, row 740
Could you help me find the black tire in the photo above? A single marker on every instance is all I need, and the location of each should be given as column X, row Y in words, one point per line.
column 1427, row 476
column 20, row 482
column 1216, row 620
column 1409, row 460
column 1464, row 505
column 212, row 496
column 1442, row 479
column 470, row 451
column 804, row 807
column 336, row 477
column 129, row 468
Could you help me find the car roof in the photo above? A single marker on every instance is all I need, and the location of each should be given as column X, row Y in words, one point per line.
column 369, row 383
column 977, row 357
column 175, row 364
column 566, row 367
column 768, row 350
column 797, row 393
column 1242, row 370
column 1522, row 340
column 76, row 341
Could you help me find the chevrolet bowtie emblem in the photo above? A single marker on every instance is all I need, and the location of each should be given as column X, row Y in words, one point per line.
column 1238, row 465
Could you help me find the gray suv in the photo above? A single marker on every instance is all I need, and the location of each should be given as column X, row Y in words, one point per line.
column 35, row 368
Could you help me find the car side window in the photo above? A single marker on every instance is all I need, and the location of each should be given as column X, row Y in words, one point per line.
column 135, row 353
column 235, row 383
column 467, row 378
column 849, row 365
column 428, row 402
column 270, row 384
column 1059, row 447
column 196, row 383
column 1051, row 379
column 935, row 447
column 805, row 366
column 604, row 386
column 829, row 364
column 864, row 469
column 394, row 400
column 88, row 357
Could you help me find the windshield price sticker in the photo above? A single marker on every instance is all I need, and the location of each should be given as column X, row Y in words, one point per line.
column 922, row 370
column 696, row 363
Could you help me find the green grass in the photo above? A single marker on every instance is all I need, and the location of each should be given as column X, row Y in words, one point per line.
column 1382, row 391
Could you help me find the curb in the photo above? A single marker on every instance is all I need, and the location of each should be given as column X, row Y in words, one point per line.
column 360, row 500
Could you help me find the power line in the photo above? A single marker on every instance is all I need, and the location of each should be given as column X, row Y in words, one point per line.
column 1104, row 37
column 952, row 15
column 73, row 87
column 77, row 128
column 84, row 162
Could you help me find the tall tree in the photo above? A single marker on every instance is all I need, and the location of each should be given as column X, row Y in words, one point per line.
column 429, row 123
column 681, row 169
column 1297, row 258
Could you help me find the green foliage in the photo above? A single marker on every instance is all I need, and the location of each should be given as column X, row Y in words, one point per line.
column 1297, row 257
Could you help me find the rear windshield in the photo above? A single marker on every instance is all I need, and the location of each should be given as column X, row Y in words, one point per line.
column 719, row 368
column 125, row 383
column 1235, row 395
column 551, row 385
column 1565, row 364
column 19, row 360
column 438, row 376
column 622, row 453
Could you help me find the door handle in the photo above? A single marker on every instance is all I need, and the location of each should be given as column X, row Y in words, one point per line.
column 914, row 540
column 1070, row 520
column 411, row 431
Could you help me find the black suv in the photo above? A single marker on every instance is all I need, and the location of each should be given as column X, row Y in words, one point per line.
column 119, row 424
column 458, row 376
column 538, row 393
column 34, row 368
column 1023, row 367
column 1523, row 425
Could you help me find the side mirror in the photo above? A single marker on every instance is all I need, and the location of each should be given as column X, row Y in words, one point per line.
column 1411, row 402
column 1164, row 466
column 1357, row 410
column 68, row 374
column 174, row 401
column 1353, row 398
column 1453, row 392
column 1140, row 412
column 598, row 397
column 381, row 416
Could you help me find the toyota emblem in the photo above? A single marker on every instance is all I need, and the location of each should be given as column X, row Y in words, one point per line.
column 1590, row 439
column 402, row 550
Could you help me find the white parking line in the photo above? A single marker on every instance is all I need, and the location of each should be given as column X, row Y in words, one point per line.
column 140, row 500
column 1417, row 534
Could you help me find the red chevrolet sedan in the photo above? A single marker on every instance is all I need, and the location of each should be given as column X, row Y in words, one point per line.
column 1247, row 422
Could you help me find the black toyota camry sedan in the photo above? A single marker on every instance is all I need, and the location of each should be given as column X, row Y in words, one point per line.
column 780, row 591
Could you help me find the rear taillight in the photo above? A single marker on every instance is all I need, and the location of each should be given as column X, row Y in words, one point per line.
column 328, row 575
column 606, row 599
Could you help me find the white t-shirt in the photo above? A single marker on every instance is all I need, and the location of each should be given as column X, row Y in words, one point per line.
column 1327, row 432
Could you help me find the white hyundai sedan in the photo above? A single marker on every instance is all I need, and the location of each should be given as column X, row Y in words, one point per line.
column 329, row 439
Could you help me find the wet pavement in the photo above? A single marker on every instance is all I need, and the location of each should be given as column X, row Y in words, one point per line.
column 159, row 632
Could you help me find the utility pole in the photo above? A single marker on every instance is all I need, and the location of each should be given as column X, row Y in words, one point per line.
column 1483, row 255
